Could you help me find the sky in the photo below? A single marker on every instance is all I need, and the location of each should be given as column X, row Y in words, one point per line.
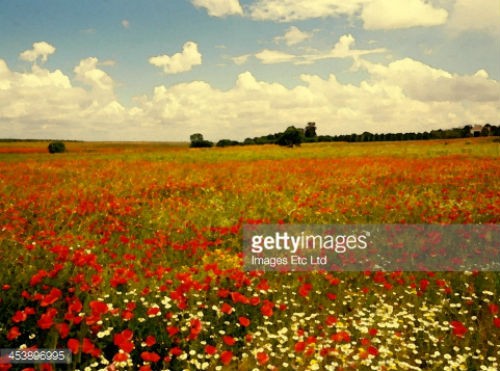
column 162, row 70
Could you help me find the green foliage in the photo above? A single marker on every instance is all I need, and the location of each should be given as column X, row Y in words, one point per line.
column 227, row 143
column 197, row 141
column 310, row 130
column 291, row 137
column 56, row 147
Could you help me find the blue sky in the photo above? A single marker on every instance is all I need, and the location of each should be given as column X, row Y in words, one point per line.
column 164, row 69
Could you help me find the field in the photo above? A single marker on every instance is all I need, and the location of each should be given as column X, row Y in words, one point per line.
column 130, row 255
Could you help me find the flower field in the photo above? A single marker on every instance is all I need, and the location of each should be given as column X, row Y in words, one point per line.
column 131, row 257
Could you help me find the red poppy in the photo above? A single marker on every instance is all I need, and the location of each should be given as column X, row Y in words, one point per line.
column 13, row 333
column 244, row 321
column 458, row 328
column 98, row 308
column 496, row 322
column 493, row 308
column 210, row 349
column 330, row 320
column 150, row 356
column 267, row 308
column 89, row 348
column 305, row 289
column 46, row 320
column 120, row 357
column 341, row 336
column 73, row 345
column 195, row 328
column 175, row 351
column 262, row 358
column 62, row 329
column 150, row 341
column 153, row 311
column 372, row 350
column 124, row 340
column 226, row 357
column 228, row 340
column 19, row 316
column 300, row 346
column 172, row 330
column 226, row 308
column 51, row 297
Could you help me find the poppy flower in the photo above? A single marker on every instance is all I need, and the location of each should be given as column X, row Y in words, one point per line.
column 226, row 357
column 123, row 340
column 210, row 349
column 150, row 356
column 244, row 321
column 262, row 358
column 458, row 328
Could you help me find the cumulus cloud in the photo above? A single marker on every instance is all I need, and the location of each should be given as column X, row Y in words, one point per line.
column 424, row 83
column 479, row 15
column 101, row 84
column 40, row 50
column 179, row 62
column 376, row 14
column 48, row 104
column 390, row 14
column 383, row 102
column 294, row 36
column 403, row 95
column 219, row 8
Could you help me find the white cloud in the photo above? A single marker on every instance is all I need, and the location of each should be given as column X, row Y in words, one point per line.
column 40, row 49
column 376, row 14
column 88, row 72
column 294, row 36
column 293, row 10
column 179, row 62
column 393, row 14
column 478, row 15
column 404, row 95
column 219, row 8
column 267, row 56
column 424, row 83
column 342, row 49
column 241, row 59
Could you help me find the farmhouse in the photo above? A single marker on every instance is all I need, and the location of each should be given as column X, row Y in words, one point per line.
column 475, row 131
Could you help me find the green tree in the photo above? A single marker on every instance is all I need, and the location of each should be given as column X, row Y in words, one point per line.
column 56, row 147
column 310, row 130
column 197, row 141
column 291, row 137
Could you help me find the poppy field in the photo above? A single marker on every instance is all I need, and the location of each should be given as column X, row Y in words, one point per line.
column 130, row 256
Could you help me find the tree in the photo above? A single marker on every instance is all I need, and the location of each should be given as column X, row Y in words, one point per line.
column 227, row 143
column 466, row 131
column 310, row 130
column 291, row 137
column 197, row 141
column 485, row 131
column 197, row 137
column 56, row 147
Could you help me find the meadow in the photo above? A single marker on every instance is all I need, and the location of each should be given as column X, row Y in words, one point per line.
column 130, row 255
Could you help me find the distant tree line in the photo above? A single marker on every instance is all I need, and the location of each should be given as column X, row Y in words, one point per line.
column 293, row 136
